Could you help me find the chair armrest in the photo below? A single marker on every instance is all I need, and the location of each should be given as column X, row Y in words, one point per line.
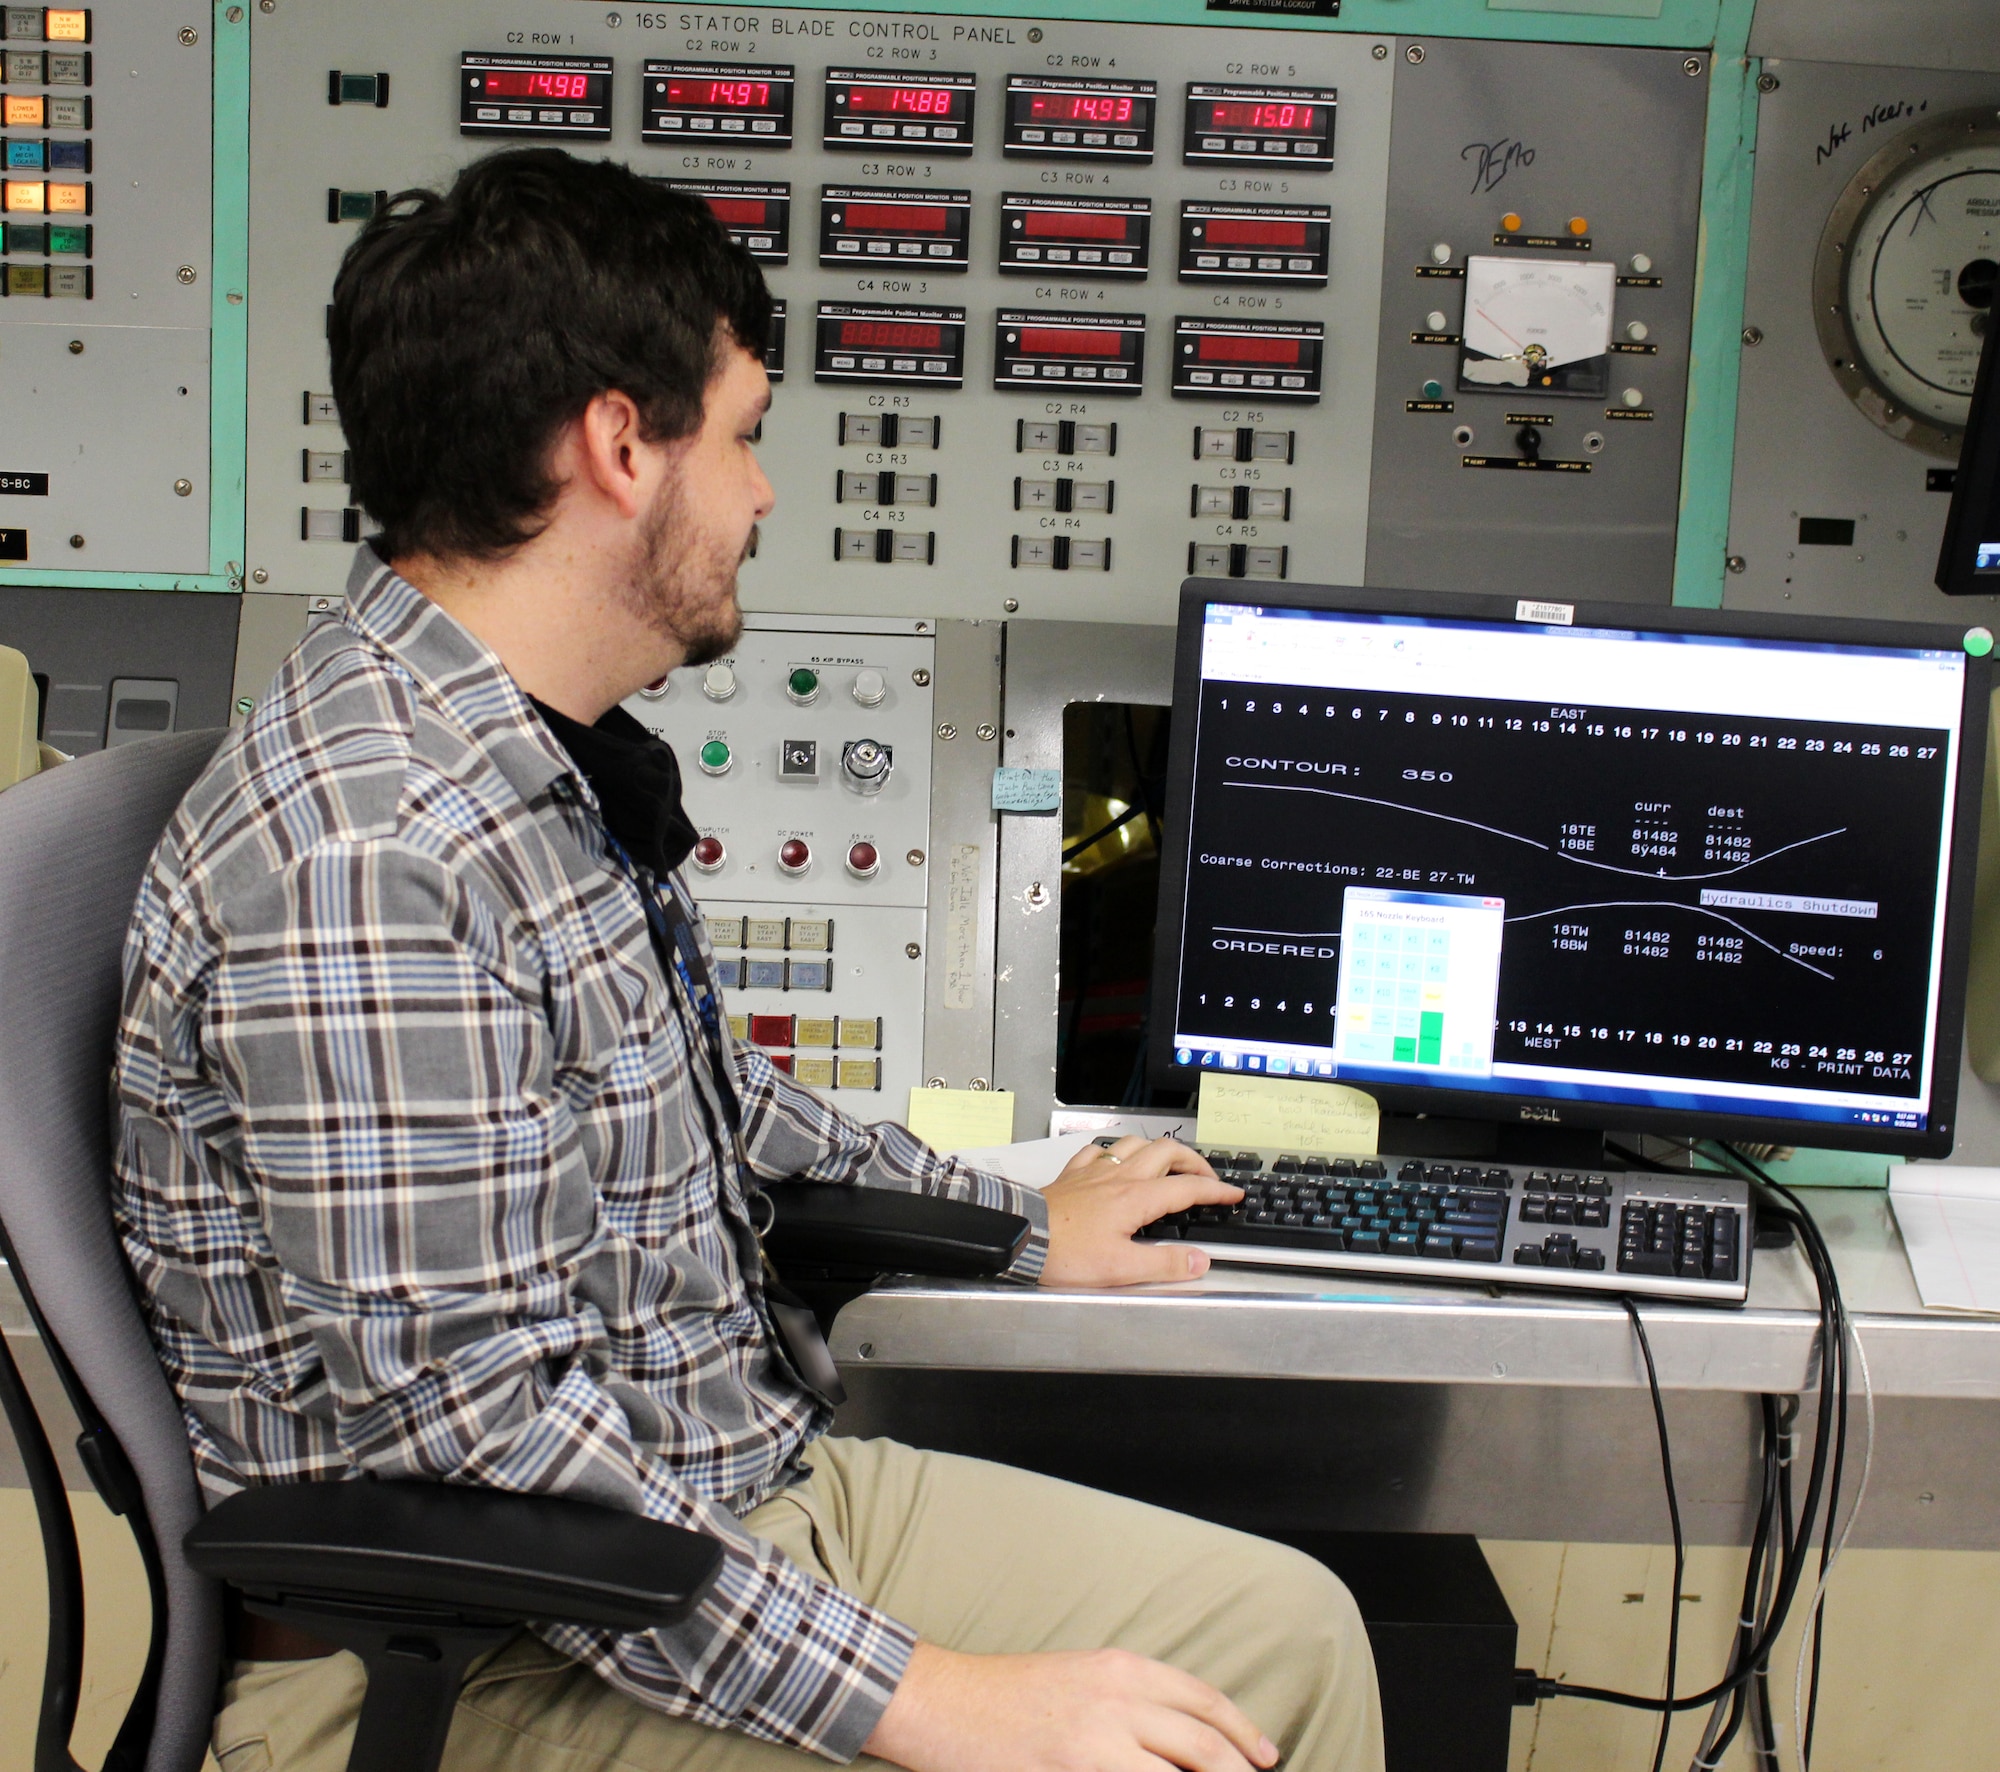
column 482, row 1551
column 826, row 1225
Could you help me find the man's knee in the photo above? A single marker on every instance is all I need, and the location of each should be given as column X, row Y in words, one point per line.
column 1307, row 1600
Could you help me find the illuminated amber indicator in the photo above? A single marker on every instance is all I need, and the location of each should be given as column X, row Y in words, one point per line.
column 69, row 199
column 24, row 113
column 25, row 197
column 67, row 24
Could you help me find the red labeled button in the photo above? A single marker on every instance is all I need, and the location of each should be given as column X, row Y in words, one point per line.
column 783, row 1061
column 794, row 855
column 863, row 862
column 708, row 854
column 771, row 1030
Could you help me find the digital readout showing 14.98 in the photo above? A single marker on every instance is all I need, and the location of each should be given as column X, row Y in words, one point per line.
column 1712, row 898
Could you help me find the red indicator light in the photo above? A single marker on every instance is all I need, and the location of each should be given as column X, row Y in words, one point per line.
column 1237, row 115
column 719, row 95
column 1076, row 224
column 896, row 218
column 1237, row 347
column 771, row 1030
column 1069, row 341
column 863, row 862
column 794, row 857
column 708, row 854
column 1081, row 107
column 1228, row 230
column 743, row 212
column 914, row 101
column 535, row 83
column 890, row 335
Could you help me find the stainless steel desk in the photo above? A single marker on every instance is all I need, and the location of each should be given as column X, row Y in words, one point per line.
column 1328, row 1400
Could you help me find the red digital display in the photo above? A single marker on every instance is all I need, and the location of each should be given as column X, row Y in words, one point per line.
column 1236, row 230
column 538, row 83
column 1081, row 107
column 1235, row 114
column 719, row 95
column 1236, row 347
column 895, row 218
column 1076, row 224
column 890, row 335
column 909, row 101
column 1069, row 341
column 742, row 212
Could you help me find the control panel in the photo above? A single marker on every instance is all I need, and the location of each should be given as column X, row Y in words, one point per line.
column 805, row 755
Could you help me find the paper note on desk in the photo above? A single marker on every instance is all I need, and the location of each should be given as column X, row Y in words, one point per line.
column 1325, row 1119
column 1950, row 1220
column 951, row 1120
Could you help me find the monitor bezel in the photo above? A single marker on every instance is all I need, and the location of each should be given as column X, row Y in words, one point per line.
column 1935, row 1140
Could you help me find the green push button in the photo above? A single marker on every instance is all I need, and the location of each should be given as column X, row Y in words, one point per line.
column 716, row 756
column 803, row 684
column 1433, row 390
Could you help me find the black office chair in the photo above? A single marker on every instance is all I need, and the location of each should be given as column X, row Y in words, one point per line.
column 417, row 1579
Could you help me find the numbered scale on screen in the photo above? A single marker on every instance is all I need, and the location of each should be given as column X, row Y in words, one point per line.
column 758, row 217
column 1229, row 125
column 1050, row 118
column 551, row 97
column 889, row 346
column 1100, row 353
column 867, row 108
column 1272, row 359
column 1076, row 236
column 1255, row 243
column 680, row 100
column 918, row 226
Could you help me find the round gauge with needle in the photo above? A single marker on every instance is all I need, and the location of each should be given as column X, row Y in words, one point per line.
column 1540, row 324
column 1905, row 278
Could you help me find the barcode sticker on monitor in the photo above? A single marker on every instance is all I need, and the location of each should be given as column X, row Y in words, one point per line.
column 1560, row 615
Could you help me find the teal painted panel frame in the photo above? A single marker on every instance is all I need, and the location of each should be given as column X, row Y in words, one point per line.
column 229, row 333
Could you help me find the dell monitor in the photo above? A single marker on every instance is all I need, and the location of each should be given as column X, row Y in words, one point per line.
column 1573, row 865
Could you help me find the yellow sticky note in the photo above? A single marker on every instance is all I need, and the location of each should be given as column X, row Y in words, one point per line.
column 962, row 1119
column 1320, row 1119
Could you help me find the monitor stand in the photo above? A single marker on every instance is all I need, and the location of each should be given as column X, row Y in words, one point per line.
column 1493, row 1141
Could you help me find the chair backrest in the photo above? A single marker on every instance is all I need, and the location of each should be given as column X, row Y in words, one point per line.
column 74, row 843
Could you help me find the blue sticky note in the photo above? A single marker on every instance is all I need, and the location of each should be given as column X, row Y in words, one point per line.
column 1027, row 790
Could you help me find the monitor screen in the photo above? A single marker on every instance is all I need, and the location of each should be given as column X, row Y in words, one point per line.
column 1649, row 868
column 1969, row 558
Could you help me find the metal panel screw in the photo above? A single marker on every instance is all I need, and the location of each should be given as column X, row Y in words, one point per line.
column 920, row 677
column 76, row 347
column 1011, row 605
column 1414, row 54
column 234, row 15
column 1034, row 33
column 260, row 576
column 267, row 5
column 1692, row 67
column 913, row 950
column 981, row 1083
column 187, row 273
column 947, row 730
column 244, row 705
column 1038, row 894
column 76, row 541
column 867, row 1349
column 183, row 488
column 1380, row 52
column 934, row 1082
column 988, row 732
column 190, row 36
column 1736, row 563
column 322, row 602
column 915, row 858
column 1767, row 82
column 1753, row 335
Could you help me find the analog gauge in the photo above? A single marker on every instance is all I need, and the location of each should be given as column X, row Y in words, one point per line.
column 1903, row 287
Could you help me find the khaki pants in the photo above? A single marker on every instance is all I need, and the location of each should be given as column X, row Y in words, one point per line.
column 972, row 1556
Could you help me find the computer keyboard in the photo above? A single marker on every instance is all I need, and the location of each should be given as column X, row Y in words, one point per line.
column 1601, row 1231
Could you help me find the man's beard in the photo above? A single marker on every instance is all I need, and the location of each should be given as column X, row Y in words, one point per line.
column 683, row 585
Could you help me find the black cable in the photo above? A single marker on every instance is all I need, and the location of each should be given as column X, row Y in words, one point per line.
column 1747, row 1610
column 1674, row 1516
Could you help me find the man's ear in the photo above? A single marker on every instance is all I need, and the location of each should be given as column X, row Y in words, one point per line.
column 607, row 445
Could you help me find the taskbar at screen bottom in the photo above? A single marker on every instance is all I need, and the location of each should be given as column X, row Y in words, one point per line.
column 1194, row 1052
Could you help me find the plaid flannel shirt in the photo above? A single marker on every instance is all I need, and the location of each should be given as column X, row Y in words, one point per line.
column 423, row 1173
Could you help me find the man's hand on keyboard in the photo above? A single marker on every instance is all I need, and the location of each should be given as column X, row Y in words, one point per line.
column 1103, row 1196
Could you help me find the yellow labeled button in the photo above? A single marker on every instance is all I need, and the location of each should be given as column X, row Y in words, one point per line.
column 815, row 1073
column 862, row 1031
column 813, row 1031
column 69, row 199
column 27, row 280
column 725, row 932
column 67, row 24
column 812, row 934
column 764, row 932
column 739, row 1027
column 23, row 113
column 25, row 197
column 861, row 1073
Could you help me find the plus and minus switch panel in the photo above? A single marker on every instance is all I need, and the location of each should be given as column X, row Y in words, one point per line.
column 805, row 764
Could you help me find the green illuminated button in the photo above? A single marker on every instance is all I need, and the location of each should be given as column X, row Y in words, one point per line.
column 716, row 756
column 802, row 685
column 1433, row 390
column 1979, row 641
